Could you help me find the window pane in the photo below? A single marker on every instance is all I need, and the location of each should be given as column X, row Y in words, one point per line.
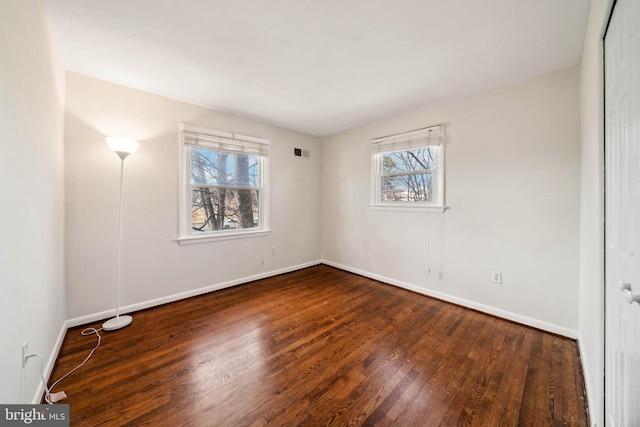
column 407, row 188
column 408, row 161
column 222, row 168
column 224, row 209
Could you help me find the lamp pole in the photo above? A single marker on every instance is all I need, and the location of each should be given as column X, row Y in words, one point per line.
column 122, row 148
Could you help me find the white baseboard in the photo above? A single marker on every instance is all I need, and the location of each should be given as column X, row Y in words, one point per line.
column 595, row 410
column 539, row 324
column 48, row 369
column 82, row 320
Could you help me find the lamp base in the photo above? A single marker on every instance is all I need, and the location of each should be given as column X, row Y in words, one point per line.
column 117, row 323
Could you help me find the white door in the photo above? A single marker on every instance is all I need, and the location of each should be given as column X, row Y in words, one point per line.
column 622, row 217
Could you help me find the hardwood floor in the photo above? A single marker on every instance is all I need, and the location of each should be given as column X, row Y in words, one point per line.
column 321, row 347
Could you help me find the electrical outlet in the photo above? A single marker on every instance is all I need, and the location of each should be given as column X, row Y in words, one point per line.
column 496, row 276
column 273, row 250
column 25, row 352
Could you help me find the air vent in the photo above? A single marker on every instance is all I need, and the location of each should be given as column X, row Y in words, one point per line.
column 299, row 152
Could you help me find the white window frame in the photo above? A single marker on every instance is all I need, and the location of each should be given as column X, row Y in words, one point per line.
column 421, row 138
column 194, row 136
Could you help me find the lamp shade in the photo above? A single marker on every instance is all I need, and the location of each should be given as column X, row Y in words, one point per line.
column 122, row 145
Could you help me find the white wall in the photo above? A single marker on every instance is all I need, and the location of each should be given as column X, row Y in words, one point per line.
column 512, row 178
column 591, row 323
column 32, row 202
column 154, row 265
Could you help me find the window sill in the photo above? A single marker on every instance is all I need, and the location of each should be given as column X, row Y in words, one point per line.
column 402, row 208
column 195, row 239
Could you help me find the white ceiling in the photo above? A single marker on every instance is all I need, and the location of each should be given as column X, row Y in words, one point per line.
column 319, row 67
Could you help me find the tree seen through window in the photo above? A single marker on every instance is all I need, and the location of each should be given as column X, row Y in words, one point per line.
column 225, row 190
column 407, row 175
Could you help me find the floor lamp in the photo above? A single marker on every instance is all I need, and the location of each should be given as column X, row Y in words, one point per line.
column 122, row 147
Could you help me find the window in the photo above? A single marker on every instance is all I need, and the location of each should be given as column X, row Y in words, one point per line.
column 407, row 170
column 223, row 185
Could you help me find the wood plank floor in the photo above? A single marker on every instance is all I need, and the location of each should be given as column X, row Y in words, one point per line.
column 321, row 347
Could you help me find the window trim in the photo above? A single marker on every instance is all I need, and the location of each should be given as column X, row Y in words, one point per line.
column 255, row 145
column 420, row 138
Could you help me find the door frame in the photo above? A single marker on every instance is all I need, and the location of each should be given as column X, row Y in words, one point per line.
column 604, row 208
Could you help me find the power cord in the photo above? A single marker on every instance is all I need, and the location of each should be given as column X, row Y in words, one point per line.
column 54, row 397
